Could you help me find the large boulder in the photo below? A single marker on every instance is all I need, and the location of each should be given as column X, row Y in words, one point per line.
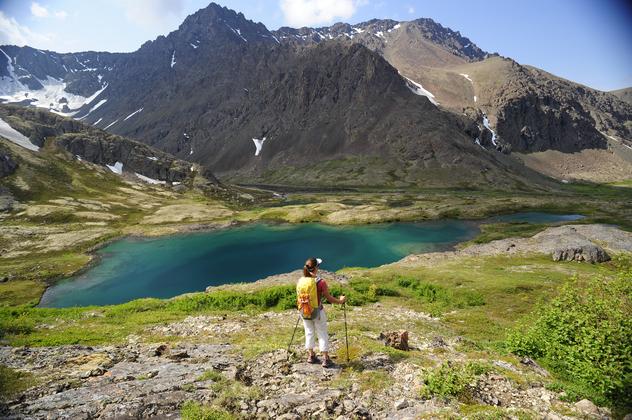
column 588, row 253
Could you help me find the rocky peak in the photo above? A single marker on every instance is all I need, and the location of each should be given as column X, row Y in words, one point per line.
column 216, row 21
column 375, row 33
column 453, row 41
column 375, row 25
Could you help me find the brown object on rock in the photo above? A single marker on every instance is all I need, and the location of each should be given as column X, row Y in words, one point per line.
column 395, row 339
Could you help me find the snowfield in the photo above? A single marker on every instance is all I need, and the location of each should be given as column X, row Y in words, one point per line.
column 53, row 96
column 15, row 136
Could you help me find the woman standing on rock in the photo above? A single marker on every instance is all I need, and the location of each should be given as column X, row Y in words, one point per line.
column 310, row 290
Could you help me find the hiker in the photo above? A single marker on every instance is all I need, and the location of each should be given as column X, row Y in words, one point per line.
column 310, row 290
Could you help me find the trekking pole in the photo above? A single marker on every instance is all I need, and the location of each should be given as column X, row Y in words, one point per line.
column 292, row 339
column 344, row 308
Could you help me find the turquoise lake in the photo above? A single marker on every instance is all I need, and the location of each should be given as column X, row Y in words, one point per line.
column 168, row 266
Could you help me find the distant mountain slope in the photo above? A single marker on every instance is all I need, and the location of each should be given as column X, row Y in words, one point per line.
column 535, row 111
column 256, row 106
column 624, row 94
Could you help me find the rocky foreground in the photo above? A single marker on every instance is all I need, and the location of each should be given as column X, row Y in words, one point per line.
column 239, row 361
column 136, row 380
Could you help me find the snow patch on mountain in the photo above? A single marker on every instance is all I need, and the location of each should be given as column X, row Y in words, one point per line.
column 258, row 145
column 149, row 180
column 418, row 89
column 133, row 113
column 14, row 136
column 96, row 106
column 487, row 126
column 173, row 59
column 237, row 32
column 111, row 124
column 117, row 168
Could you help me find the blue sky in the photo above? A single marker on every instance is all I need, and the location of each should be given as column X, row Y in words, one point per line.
column 588, row 41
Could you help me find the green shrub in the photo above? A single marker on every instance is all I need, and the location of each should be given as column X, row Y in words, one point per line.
column 428, row 292
column 354, row 298
column 452, row 380
column 283, row 297
column 474, row 299
column 386, row 291
column 585, row 335
column 13, row 382
column 192, row 410
column 211, row 375
column 14, row 326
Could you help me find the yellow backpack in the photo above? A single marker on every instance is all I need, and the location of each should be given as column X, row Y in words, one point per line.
column 307, row 297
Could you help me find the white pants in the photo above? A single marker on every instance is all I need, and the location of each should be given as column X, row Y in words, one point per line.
column 319, row 327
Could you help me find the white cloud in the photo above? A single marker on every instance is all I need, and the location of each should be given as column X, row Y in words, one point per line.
column 38, row 10
column 411, row 10
column 61, row 14
column 299, row 13
column 11, row 32
column 151, row 12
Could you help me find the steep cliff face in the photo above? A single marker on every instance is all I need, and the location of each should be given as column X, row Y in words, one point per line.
column 535, row 111
column 107, row 149
column 95, row 146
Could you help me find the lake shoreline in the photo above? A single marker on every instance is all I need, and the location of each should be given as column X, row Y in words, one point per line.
column 206, row 228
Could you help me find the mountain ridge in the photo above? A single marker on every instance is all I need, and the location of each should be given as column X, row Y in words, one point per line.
column 202, row 92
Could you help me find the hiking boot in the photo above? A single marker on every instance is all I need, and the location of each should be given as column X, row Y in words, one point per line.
column 327, row 363
column 313, row 359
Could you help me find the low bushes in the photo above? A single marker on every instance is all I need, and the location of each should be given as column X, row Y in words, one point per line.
column 452, row 379
column 12, row 382
column 585, row 336
column 192, row 410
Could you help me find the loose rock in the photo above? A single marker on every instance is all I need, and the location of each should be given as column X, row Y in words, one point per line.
column 395, row 339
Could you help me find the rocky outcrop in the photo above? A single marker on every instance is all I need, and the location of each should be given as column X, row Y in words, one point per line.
column 587, row 238
column 8, row 164
column 587, row 253
column 534, row 123
column 97, row 146
column 105, row 149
